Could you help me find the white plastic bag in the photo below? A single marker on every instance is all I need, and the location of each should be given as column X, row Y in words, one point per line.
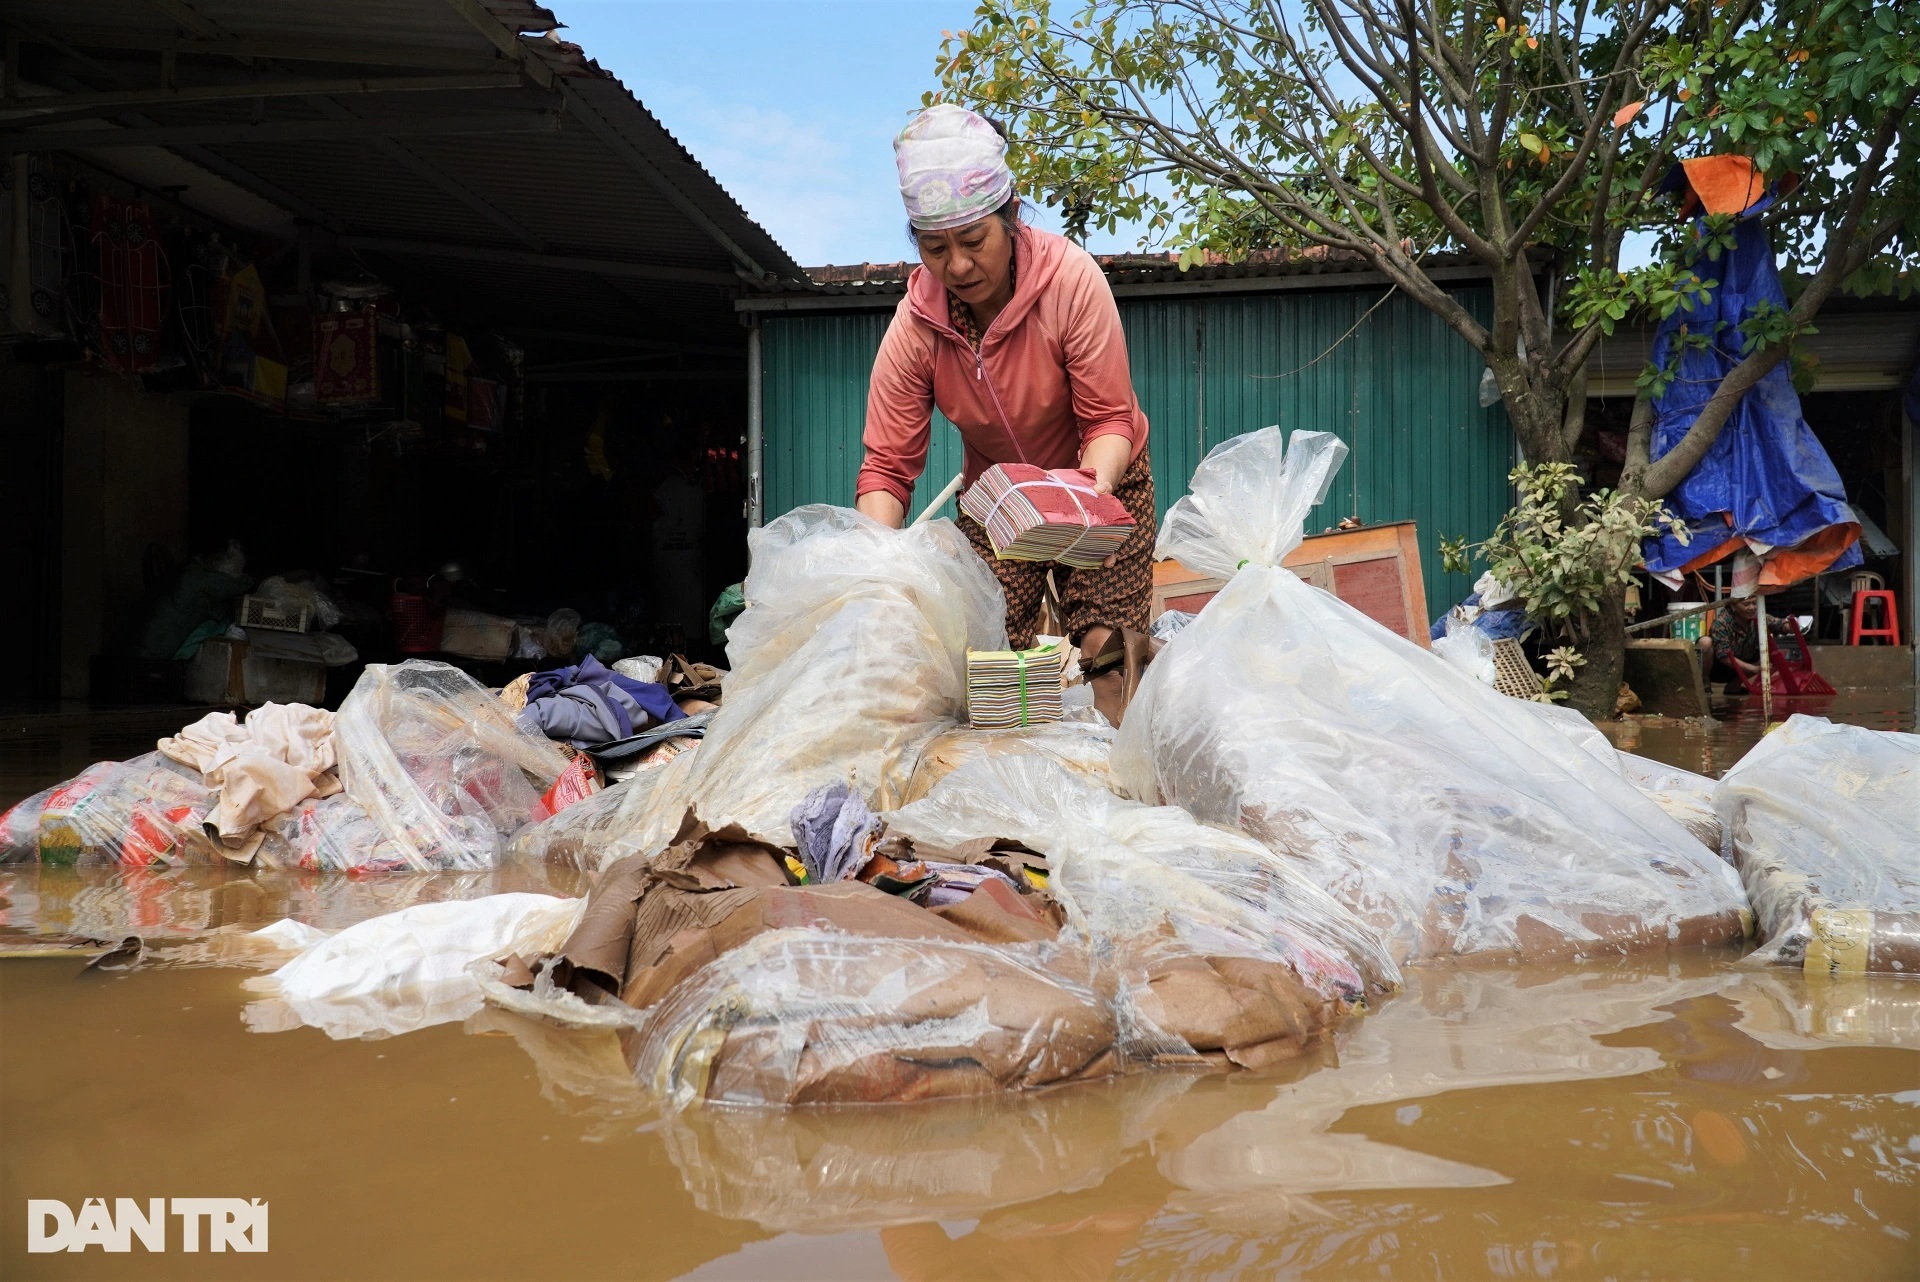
column 638, row 815
column 1468, row 649
column 1823, row 822
column 439, row 765
column 1454, row 819
column 849, row 656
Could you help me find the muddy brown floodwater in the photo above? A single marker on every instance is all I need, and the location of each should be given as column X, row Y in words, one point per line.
column 1681, row 1118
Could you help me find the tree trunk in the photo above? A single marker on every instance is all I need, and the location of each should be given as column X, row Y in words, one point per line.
column 1595, row 690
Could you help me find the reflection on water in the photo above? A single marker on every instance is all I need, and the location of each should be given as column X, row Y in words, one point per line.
column 1681, row 1119
column 1710, row 745
column 182, row 905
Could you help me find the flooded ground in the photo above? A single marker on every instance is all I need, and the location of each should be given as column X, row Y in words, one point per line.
column 1683, row 1118
column 1674, row 1121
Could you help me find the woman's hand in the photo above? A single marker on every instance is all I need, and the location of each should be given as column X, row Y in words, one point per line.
column 1107, row 458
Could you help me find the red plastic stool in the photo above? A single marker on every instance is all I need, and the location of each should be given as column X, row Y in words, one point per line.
column 1889, row 613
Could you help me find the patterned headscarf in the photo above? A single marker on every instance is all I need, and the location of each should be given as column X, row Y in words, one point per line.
column 953, row 168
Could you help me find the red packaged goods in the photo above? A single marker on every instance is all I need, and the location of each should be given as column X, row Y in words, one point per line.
column 1032, row 514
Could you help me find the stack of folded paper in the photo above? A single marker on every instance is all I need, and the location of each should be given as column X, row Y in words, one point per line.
column 1014, row 687
column 1035, row 515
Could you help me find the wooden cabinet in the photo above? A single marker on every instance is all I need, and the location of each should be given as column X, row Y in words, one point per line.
column 1375, row 569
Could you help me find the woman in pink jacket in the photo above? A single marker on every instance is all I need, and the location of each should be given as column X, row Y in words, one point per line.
column 1013, row 333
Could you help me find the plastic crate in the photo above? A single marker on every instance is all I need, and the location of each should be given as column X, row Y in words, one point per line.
column 258, row 612
column 1513, row 675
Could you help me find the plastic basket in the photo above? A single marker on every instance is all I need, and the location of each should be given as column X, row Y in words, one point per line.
column 1513, row 675
column 259, row 612
column 417, row 623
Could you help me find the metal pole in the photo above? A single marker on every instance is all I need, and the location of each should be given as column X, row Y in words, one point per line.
column 756, row 429
column 1766, row 663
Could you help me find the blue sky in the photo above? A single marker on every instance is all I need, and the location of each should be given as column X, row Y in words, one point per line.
column 791, row 104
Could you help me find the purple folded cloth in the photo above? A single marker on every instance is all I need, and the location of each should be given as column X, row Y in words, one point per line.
column 591, row 704
column 833, row 829
column 954, row 882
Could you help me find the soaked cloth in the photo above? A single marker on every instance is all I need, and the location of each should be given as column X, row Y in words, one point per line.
column 952, row 166
column 835, row 832
column 1456, row 821
column 406, row 970
column 1824, row 824
column 592, row 704
column 280, row 756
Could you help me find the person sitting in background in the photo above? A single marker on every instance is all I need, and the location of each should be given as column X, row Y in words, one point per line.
column 1732, row 647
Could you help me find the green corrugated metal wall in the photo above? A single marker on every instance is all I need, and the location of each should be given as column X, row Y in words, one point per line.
column 1401, row 390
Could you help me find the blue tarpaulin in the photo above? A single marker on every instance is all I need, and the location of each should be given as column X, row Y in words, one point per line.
column 1766, row 483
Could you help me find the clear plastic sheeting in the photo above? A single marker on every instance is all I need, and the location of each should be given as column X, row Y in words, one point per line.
column 1204, row 940
column 406, row 970
column 1823, row 822
column 334, row 834
column 850, row 655
column 1686, row 796
column 1082, row 747
column 436, row 761
column 1455, row 820
column 638, row 816
column 805, row 1016
column 139, row 813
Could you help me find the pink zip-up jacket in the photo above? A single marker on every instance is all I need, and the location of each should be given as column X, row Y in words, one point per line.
column 1051, row 373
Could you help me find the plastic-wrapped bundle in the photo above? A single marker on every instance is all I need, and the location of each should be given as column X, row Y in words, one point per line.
column 1082, row 747
column 1824, row 825
column 1456, row 820
column 332, row 834
column 1204, row 941
column 439, row 765
column 850, row 655
column 639, row 816
column 811, row 1016
column 138, row 813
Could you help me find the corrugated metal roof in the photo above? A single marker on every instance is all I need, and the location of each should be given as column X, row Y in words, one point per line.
column 1126, row 270
column 603, row 180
